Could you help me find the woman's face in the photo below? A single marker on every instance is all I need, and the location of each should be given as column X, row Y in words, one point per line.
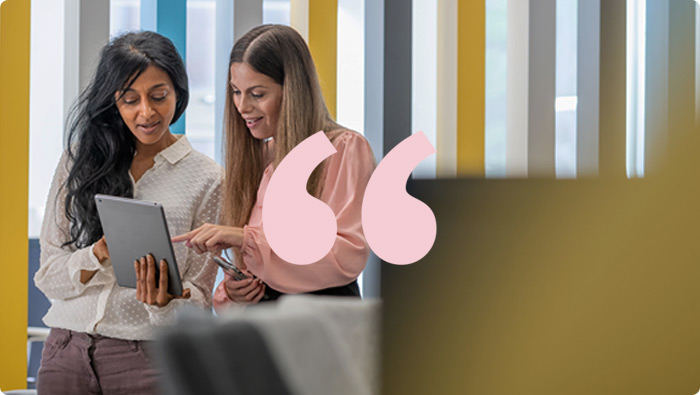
column 257, row 98
column 148, row 106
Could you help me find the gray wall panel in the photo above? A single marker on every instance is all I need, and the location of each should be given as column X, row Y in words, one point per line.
column 542, row 93
column 588, row 88
column 613, row 70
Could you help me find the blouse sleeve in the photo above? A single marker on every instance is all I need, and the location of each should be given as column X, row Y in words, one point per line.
column 199, row 275
column 58, row 276
column 346, row 176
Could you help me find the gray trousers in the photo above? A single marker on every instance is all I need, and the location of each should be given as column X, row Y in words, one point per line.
column 75, row 363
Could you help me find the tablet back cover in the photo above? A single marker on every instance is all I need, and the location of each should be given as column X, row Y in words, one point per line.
column 133, row 229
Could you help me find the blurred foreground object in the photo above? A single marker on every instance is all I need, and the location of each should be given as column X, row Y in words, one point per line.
column 299, row 345
column 548, row 287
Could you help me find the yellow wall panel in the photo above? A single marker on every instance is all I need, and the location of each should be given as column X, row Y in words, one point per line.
column 14, row 166
column 323, row 41
column 320, row 28
column 471, row 86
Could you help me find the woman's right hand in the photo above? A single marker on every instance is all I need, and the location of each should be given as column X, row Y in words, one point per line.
column 211, row 238
column 247, row 291
column 101, row 253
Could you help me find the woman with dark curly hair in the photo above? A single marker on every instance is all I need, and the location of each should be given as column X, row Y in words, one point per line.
column 120, row 144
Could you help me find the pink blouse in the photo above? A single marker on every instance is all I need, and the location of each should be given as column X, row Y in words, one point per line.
column 347, row 174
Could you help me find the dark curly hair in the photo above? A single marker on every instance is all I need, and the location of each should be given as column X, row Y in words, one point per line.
column 100, row 145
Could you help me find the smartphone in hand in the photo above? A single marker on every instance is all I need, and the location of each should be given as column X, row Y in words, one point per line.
column 230, row 268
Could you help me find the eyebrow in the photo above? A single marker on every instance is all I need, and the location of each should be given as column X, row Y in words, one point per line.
column 252, row 87
column 163, row 84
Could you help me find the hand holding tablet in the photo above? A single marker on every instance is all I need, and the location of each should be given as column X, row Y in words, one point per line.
column 135, row 230
column 147, row 290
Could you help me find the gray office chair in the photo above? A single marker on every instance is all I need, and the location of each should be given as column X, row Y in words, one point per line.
column 298, row 345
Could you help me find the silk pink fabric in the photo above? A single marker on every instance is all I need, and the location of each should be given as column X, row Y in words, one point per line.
column 347, row 174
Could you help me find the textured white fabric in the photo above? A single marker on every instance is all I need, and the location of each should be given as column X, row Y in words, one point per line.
column 188, row 185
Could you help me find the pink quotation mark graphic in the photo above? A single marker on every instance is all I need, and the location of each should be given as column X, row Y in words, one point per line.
column 300, row 228
column 399, row 228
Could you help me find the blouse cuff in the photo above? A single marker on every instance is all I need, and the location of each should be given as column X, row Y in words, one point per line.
column 162, row 316
column 221, row 301
column 85, row 259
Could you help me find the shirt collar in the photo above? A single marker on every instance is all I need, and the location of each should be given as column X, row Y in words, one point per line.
column 176, row 151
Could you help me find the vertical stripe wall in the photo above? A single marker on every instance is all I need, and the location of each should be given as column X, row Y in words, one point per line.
column 233, row 19
column 47, row 113
column 317, row 21
column 517, row 88
column 71, row 59
column 246, row 15
column 93, row 35
column 613, row 85
column 471, row 86
column 224, row 37
column 424, row 78
column 532, row 89
column 169, row 18
column 531, row 84
column 682, row 80
column 374, row 76
column 14, row 165
column 656, row 84
column 588, row 88
column 86, row 32
column 374, row 115
column 461, row 88
column 541, row 89
column 696, row 48
column 388, row 73
column 670, row 78
column 397, row 72
column 447, row 72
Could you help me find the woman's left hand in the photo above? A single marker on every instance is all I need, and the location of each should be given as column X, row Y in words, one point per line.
column 211, row 238
column 147, row 290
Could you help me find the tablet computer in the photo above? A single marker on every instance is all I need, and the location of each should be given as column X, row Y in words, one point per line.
column 133, row 229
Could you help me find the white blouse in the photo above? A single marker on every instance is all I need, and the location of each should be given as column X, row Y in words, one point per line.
column 188, row 185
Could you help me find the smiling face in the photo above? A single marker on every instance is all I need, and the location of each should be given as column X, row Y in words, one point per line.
column 257, row 98
column 148, row 106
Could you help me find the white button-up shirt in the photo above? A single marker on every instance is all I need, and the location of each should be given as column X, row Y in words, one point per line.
column 188, row 185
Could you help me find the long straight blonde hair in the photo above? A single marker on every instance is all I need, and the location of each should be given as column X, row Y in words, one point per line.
column 280, row 53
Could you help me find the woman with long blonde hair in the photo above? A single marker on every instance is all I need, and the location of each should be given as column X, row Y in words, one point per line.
column 274, row 102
